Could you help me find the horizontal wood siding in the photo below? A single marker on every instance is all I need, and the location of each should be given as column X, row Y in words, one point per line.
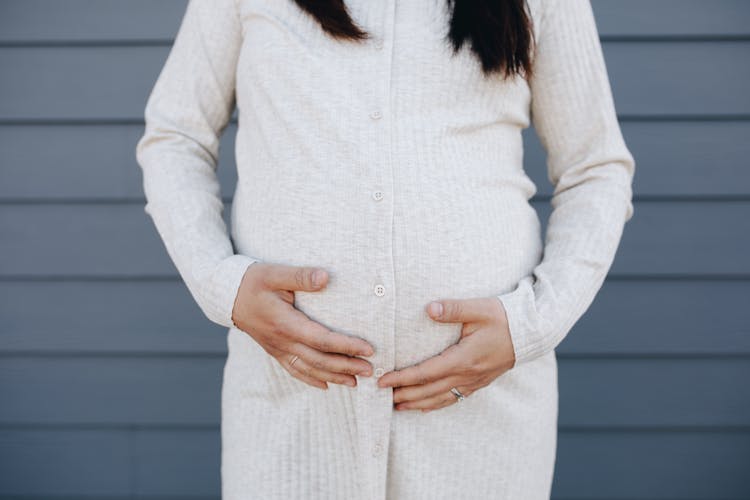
column 110, row 376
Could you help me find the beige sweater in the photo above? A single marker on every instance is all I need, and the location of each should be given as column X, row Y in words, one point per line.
column 398, row 168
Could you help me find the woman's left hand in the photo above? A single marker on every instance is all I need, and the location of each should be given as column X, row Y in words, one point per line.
column 483, row 353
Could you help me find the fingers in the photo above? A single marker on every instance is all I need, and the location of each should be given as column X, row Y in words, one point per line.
column 342, row 367
column 305, row 368
column 433, row 403
column 427, row 371
column 303, row 278
column 289, row 363
column 317, row 369
column 312, row 333
column 295, row 371
column 458, row 310
column 284, row 331
column 417, row 392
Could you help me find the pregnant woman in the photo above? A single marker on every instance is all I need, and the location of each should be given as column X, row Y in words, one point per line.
column 391, row 307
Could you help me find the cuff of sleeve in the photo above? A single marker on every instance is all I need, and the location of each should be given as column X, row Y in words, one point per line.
column 523, row 321
column 222, row 289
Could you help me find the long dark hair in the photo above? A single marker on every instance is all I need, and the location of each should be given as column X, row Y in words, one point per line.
column 500, row 31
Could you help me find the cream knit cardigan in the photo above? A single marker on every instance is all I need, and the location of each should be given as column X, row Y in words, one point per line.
column 398, row 168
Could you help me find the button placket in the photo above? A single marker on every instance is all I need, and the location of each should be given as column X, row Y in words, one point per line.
column 376, row 403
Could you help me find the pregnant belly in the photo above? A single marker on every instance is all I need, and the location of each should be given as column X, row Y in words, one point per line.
column 386, row 265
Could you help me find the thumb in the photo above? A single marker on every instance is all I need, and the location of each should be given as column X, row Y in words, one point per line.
column 303, row 278
column 454, row 310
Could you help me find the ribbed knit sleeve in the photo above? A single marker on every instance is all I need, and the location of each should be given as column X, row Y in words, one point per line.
column 573, row 113
column 188, row 108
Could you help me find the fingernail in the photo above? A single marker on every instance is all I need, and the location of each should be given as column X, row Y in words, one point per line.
column 436, row 309
column 317, row 277
column 350, row 383
column 366, row 373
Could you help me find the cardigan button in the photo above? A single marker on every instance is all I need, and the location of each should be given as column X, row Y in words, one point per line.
column 377, row 195
column 379, row 290
column 379, row 372
column 377, row 449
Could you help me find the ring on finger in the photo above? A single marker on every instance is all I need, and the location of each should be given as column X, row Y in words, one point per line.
column 430, row 403
column 294, row 359
column 459, row 396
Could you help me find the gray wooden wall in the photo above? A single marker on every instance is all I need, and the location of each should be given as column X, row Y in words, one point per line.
column 110, row 376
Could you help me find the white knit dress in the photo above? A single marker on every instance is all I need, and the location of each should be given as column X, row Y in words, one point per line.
column 395, row 166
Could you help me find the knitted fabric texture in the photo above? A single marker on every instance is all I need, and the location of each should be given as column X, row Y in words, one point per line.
column 398, row 167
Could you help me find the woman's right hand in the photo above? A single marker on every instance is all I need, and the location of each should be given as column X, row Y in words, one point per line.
column 264, row 309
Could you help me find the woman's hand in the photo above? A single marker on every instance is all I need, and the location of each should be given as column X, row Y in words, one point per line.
column 483, row 353
column 264, row 309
